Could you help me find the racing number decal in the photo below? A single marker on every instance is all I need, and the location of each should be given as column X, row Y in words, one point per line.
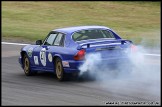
column 43, row 56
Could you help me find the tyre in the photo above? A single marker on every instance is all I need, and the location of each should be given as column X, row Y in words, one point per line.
column 61, row 76
column 26, row 66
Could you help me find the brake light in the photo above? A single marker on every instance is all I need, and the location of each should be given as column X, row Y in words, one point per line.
column 133, row 48
column 80, row 55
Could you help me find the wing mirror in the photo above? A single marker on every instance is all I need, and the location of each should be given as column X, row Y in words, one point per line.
column 39, row 42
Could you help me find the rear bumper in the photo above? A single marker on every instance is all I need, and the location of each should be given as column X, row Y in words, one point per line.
column 111, row 62
column 73, row 66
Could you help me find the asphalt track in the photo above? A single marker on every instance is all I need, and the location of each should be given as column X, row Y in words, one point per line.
column 44, row 89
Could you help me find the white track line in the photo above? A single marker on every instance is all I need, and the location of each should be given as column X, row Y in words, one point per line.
column 152, row 54
column 29, row 44
column 13, row 43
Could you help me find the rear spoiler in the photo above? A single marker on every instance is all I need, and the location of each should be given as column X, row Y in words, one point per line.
column 122, row 41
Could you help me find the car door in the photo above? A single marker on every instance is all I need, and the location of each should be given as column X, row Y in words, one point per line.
column 53, row 49
column 41, row 52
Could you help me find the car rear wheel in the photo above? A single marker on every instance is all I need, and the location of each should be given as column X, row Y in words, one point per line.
column 59, row 70
column 26, row 63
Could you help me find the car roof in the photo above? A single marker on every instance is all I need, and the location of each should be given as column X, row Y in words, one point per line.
column 77, row 28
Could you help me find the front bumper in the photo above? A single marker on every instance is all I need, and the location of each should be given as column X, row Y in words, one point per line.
column 20, row 61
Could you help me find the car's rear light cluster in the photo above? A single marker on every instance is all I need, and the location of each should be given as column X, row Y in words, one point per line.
column 80, row 55
column 133, row 48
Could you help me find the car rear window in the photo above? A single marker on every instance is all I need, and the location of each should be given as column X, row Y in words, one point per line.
column 92, row 34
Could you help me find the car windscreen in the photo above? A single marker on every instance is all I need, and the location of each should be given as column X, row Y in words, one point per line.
column 92, row 34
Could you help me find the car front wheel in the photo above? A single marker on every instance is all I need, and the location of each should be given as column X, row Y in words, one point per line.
column 26, row 63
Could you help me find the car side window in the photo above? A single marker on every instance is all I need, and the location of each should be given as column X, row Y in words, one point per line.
column 50, row 39
column 107, row 34
column 59, row 40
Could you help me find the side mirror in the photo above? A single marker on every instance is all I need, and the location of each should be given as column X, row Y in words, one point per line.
column 39, row 42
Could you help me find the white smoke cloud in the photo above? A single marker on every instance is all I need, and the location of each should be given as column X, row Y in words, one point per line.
column 144, row 76
column 92, row 60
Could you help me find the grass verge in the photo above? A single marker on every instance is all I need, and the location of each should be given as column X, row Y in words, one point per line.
column 32, row 20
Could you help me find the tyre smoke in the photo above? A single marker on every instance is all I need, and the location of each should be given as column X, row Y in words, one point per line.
column 142, row 77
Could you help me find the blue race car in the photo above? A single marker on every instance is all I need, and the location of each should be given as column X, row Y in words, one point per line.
column 63, row 50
